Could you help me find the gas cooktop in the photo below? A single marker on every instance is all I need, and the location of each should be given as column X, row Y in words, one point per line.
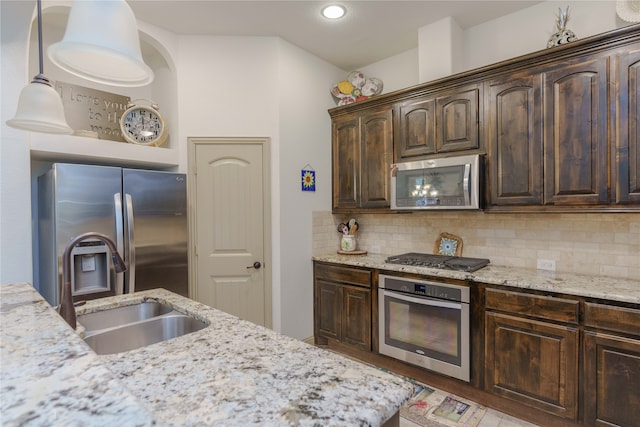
column 439, row 261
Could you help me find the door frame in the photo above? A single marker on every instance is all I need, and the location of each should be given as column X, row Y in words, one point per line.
column 193, row 143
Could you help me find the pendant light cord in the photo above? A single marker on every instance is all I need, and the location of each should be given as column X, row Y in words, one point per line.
column 40, row 35
column 40, row 78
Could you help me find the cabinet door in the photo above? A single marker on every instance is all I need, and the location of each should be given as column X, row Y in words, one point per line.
column 328, row 310
column 628, row 150
column 532, row 362
column 457, row 121
column 416, row 129
column 346, row 161
column 514, row 137
column 576, row 160
column 356, row 320
column 612, row 380
column 376, row 158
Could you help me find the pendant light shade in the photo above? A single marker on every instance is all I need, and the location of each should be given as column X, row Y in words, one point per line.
column 40, row 109
column 101, row 44
column 39, row 106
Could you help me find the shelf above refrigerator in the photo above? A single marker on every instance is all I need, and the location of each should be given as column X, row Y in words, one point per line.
column 74, row 148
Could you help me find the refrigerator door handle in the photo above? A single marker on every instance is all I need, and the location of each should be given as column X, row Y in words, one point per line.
column 117, row 203
column 131, row 251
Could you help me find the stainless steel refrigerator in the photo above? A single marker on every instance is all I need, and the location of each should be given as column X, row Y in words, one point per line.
column 143, row 212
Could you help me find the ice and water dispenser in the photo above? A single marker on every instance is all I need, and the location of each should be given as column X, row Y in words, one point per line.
column 90, row 272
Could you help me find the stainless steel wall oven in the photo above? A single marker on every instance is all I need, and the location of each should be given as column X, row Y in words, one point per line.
column 426, row 324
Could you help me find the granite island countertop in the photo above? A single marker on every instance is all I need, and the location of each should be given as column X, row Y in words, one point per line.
column 231, row 373
column 607, row 288
column 49, row 376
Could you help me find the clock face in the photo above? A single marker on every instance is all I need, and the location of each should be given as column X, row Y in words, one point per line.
column 141, row 125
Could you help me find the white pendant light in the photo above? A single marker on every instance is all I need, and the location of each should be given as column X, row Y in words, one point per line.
column 40, row 106
column 101, row 44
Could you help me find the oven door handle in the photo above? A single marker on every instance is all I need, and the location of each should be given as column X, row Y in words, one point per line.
column 423, row 301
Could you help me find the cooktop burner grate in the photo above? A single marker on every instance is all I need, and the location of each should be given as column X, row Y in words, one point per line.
column 439, row 261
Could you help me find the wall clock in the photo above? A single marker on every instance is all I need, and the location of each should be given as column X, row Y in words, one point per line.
column 143, row 125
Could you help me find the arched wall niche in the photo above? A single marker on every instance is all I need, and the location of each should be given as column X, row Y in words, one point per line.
column 162, row 91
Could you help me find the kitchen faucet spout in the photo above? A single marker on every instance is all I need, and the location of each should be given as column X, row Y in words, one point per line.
column 66, row 308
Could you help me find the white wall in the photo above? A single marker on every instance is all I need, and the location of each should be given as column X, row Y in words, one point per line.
column 529, row 30
column 512, row 35
column 266, row 87
column 305, row 138
column 440, row 53
column 15, row 206
column 396, row 72
column 226, row 86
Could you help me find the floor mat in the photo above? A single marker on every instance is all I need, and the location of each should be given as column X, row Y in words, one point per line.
column 431, row 407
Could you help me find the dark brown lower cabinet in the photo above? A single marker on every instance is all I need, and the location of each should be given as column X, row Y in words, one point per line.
column 532, row 362
column 554, row 360
column 342, row 306
column 612, row 380
column 611, row 365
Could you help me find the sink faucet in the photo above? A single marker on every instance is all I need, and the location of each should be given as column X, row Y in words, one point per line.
column 66, row 308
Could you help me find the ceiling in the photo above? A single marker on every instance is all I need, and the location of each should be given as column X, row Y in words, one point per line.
column 369, row 32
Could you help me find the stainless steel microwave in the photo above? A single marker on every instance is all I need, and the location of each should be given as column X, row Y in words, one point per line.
column 448, row 183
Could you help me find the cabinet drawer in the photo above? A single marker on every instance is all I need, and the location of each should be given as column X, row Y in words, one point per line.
column 613, row 318
column 562, row 310
column 335, row 273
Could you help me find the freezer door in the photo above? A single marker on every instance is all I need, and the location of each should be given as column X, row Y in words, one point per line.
column 156, row 230
column 75, row 199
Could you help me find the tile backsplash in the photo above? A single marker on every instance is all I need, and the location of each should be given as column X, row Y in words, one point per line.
column 591, row 243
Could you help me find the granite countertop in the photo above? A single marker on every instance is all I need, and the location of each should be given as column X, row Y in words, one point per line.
column 608, row 288
column 49, row 376
column 231, row 373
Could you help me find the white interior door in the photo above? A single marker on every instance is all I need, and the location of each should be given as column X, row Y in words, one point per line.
column 230, row 200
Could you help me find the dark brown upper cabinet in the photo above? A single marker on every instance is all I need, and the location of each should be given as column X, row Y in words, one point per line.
column 457, row 120
column 559, row 128
column 576, row 129
column 514, row 136
column 547, row 132
column 443, row 122
column 416, row 131
column 627, row 151
column 362, row 155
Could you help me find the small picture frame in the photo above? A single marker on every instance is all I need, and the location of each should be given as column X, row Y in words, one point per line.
column 448, row 244
column 308, row 178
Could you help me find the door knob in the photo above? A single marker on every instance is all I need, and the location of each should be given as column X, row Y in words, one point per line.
column 255, row 265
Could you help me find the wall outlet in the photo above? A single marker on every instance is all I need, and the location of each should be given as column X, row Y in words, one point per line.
column 546, row 264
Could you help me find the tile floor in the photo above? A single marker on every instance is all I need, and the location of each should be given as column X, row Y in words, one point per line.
column 492, row 418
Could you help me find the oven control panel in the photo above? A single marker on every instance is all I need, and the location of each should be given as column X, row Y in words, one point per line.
column 436, row 292
column 424, row 288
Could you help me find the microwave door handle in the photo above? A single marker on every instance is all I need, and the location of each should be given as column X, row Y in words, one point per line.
column 117, row 205
column 465, row 184
column 131, row 252
column 424, row 301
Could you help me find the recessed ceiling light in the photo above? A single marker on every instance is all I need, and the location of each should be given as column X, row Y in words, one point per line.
column 333, row 11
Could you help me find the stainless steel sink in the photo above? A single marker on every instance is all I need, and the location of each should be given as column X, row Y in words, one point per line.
column 133, row 326
column 114, row 317
column 143, row 333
